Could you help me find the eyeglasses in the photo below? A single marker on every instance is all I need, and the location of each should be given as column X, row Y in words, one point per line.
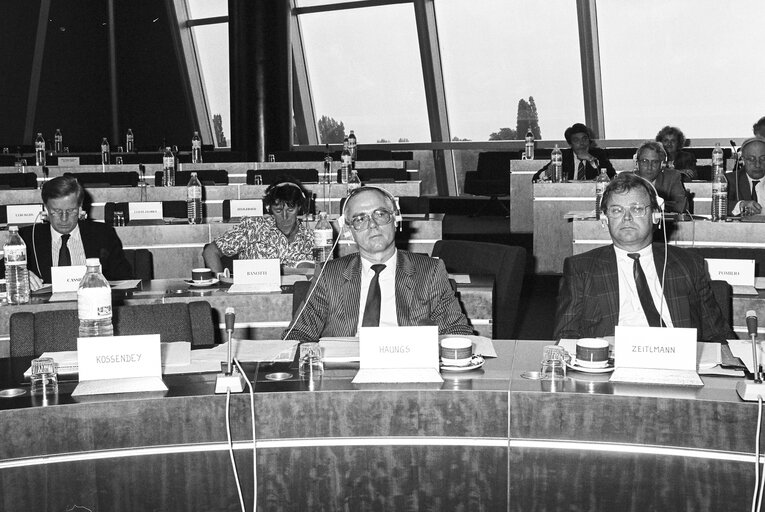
column 281, row 207
column 753, row 160
column 650, row 163
column 69, row 212
column 381, row 216
column 636, row 210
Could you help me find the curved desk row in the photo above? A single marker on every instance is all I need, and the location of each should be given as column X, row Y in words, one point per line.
column 486, row 440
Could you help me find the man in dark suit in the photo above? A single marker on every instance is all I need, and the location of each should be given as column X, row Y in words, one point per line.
column 68, row 239
column 651, row 165
column 621, row 284
column 583, row 160
column 746, row 190
column 380, row 285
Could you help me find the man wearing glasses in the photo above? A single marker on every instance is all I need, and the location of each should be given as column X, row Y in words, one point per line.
column 651, row 165
column 621, row 284
column 379, row 285
column 68, row 238
column 746, row 190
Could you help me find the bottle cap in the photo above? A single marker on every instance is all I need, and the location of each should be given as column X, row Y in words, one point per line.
column 92, row 262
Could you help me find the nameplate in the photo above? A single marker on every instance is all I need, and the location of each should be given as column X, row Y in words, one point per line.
column 119, row 357
column 151, row 210
column 68, row 161
column 23, row 213
column 66, row 279
column 265, row 274
column 655, row 347
column 246, row 207
column 398, row 347
column 735, row 272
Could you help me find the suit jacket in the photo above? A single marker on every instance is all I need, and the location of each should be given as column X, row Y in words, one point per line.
column 684, row 160
column 590, row 172
column 741, row 193
column 98, row 239
column 669, row 185
column 588, row 300
column 423, row 297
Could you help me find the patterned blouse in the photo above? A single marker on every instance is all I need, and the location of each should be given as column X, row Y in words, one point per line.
column 259, row 238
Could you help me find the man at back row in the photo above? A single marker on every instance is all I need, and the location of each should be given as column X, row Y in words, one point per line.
column 628, row 282
column 746, row 190
column 584, row 159
column 652, row 165
column 379, row 285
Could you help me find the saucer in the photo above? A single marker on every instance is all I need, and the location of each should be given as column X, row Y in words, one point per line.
column 590, row 364
column 202, row 284
column 586, row 369
column 475, row 363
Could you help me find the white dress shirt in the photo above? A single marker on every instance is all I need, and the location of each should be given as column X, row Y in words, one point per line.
column 387, row 282
column 76, row 249
column 630, row 310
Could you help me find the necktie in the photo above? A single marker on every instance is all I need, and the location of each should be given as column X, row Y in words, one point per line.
column 372, row 307
column 754, row 191
column 64, row 258
column 580, row 171
column 644, row 293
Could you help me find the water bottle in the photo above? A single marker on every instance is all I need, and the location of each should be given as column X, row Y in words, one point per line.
column 323, row 237
column 352, row 145
column 346, row 162
column 94, row 302
column 556, row 165
column 105, row 152
column 327, row 165
column 528, row 154
column 717, row 159
column 601, row 182
column 39, row 150
column 129, row 141
column 353, row 182
column 16, row 273
column 719, row 195
column 58, row 141
column 194, row 200
column 196, row 149
column 168, row 168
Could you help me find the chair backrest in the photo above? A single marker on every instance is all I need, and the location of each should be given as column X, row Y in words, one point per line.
column 506, row 263
column 107, row 179
column 269, row 176
column 18, row 180
column 142, row 262
column 722, row 292
column 299, row 292
column 493, row 164
column 205, row 176
column 54, row 330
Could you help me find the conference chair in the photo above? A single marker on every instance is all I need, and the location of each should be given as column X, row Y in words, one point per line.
column 142, row 262
column 506, row 264
column 269, row 176
column 299, row 293
column 106, row 179
column 18, row 180
column 55, row 330
column 206, row 177
column 491, row 178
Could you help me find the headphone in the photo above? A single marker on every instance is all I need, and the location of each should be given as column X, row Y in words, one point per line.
column 353, row 193
column 271, row 190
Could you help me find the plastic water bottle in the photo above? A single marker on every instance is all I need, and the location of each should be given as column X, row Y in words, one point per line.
column 129, row 141
column 352, row 145
column 346, row 162
column 105, row 152
column 323, row 238
column 58, row 141
column 556, row 165
column 168, row 168
column 717, row 159
column 354, row 181
column 528, row 154
column 601, row 182
column 194, row 200
column 327, row 166
column 16, row 273
column 94, row 302
column 196, row 149
column 719, row 195
column 39, row 150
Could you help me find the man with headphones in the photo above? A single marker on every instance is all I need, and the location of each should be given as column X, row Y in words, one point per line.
column 380, row 285
column 627, row 283
column 68, row 238
column 280, row 234
column 652, row 165
column 746, row 190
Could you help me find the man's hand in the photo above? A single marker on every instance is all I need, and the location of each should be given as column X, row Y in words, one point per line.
column 750, row 207
column 35, row 283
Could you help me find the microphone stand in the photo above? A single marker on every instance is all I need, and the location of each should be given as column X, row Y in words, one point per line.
column 231, row 379
column 751, row 391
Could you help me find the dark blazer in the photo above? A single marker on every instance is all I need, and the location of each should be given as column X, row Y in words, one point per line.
column 588, row 300
column 590, row 172
column 423, row 297
column 669, row 185
column 744, row 192
column 685, row 160
column 98, row 239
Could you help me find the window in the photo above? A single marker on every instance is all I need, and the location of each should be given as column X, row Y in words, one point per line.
column 212, row 48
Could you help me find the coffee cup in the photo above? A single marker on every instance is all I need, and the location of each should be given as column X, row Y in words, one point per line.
column 456, row 351
column 201, row 275
column 592, row 352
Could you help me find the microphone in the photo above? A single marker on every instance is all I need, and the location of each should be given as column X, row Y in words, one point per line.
column 736, row 158
column 229, row 381
column 751, row 322
column 229, row 319
column 751, row 391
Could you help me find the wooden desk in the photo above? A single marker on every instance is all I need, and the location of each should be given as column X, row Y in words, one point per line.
column 486, row 440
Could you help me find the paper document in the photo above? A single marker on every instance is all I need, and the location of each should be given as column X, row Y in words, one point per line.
column 128, row 284
column 741, row 289
column 63, row 297
column 743, row 350
column 460, row 278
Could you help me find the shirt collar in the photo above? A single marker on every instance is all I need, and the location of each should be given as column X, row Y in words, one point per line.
column 74, row 234
column 366, row 266
column 645, row 252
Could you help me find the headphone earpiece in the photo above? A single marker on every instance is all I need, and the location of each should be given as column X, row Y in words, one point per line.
column 604, row 219
column 656, row 216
